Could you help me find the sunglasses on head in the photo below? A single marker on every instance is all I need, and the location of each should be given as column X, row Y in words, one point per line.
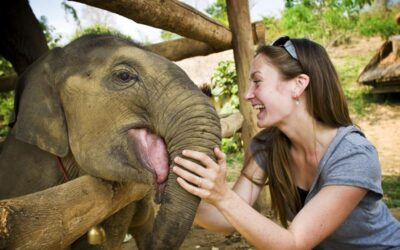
column 287, row 44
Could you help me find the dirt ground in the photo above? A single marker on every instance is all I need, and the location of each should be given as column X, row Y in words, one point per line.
column 381, row 127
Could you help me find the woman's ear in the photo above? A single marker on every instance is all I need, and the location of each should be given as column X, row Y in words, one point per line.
column 301, row 83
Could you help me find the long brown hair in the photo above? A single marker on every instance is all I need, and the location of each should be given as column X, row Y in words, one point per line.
column 325, row 102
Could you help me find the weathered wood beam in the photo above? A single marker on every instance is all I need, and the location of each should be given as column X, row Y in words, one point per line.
column 231, row 124
column 171, row 15
column 182, row 48
column 243, row 51
column 54, row 218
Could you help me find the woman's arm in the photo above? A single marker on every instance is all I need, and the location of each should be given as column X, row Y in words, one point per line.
column 246, row 187
column 318, row 219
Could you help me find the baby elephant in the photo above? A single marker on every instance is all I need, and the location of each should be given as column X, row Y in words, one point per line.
column 106, row 107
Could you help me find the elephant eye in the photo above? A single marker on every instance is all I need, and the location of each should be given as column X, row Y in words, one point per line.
column 125, row 77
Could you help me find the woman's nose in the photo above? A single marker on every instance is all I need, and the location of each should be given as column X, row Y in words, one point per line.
column 249, row 94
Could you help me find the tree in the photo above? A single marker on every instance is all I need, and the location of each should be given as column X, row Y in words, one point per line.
column 217, row 10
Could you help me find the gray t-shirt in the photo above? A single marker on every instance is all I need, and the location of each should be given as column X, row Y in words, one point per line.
column 353, row 161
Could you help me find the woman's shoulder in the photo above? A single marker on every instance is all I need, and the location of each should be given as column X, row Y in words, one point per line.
column 351, row 140
column 351, row 160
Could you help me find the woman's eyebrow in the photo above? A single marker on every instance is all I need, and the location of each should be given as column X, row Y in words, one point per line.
column 253, row 73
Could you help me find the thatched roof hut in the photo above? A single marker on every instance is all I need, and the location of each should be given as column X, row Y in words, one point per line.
column 383, row 71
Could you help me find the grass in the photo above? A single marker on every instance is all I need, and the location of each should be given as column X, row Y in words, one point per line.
column 391, row 189
column 357, row 95
column 234, row 163
column 390, row 183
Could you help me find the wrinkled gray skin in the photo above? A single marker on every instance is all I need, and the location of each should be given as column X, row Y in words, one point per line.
column 86, row 103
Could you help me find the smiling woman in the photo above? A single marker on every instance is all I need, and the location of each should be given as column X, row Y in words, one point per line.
column 323, row 174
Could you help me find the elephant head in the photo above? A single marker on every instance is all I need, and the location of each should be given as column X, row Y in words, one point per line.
column 123, row 113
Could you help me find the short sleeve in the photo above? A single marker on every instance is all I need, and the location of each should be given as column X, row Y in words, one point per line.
column 355, row 164
column 259, row 146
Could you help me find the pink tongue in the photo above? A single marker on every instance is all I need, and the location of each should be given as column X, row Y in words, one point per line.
column 153, row 152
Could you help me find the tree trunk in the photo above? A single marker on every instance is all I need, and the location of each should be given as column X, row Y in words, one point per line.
column 239, row 22
column 23, row 39
column 54, row 218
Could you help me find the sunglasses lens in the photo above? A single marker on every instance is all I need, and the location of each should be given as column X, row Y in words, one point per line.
column 286, row 43
column 280, row 41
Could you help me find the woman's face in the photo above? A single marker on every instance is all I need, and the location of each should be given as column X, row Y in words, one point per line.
column 269, row 94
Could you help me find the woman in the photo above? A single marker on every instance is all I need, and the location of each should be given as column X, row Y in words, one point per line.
column 323, row 174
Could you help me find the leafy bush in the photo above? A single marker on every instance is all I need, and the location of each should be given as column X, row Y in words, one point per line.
column 322, row 21
column 225, row 88
column 51, row 36
column 6, row 99
column 274, row 27
column 378, row 23
column 225, row 91
column 217, row 10
column 6, row 106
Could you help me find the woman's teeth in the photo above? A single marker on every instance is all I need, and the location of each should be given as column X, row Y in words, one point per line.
column 259, row 106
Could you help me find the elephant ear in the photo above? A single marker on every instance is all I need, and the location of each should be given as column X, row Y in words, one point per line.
column 38, row 117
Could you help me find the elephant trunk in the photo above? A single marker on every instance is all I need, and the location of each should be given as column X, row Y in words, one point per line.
column 194, row 126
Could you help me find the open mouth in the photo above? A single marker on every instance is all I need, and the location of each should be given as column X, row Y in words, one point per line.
column 151, row 151
column 259, row 107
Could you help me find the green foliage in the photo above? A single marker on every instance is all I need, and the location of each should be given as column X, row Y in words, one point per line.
column 99, row 29
column 327, row 21
column 381, row 23
column 234, row 162
column 273, row 25
column 321, row 20
column 356, row 95
column 390, row 185
column 6, row 99
column 5, row 67
column 225, row 88
column 167, row 35
column 300, row 21
column 225, row 91
column 232, row 145
column 6, row 106
column 71, row 10
column 217, row 10
column 52, row 37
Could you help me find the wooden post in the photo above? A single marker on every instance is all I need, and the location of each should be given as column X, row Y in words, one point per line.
column 55, row 217
column 242, row 43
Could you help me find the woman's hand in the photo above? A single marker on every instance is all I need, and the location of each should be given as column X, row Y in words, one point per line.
column 207, row 182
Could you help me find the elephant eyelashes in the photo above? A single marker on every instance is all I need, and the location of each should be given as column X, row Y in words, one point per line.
column 125, row 78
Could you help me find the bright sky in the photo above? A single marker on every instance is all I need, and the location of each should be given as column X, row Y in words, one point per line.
column 65, row 25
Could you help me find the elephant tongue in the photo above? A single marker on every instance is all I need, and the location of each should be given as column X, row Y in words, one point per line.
column 151, row 150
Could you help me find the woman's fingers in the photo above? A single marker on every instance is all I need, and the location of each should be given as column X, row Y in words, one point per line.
column 220, row 156
column 201, row 157
column 192, row 178
column 202, row 193
column 191, row 166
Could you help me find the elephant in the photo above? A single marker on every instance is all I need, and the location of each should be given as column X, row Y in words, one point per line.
column 107, row 107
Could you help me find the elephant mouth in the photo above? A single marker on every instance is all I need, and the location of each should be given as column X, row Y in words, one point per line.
column 151, row 152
